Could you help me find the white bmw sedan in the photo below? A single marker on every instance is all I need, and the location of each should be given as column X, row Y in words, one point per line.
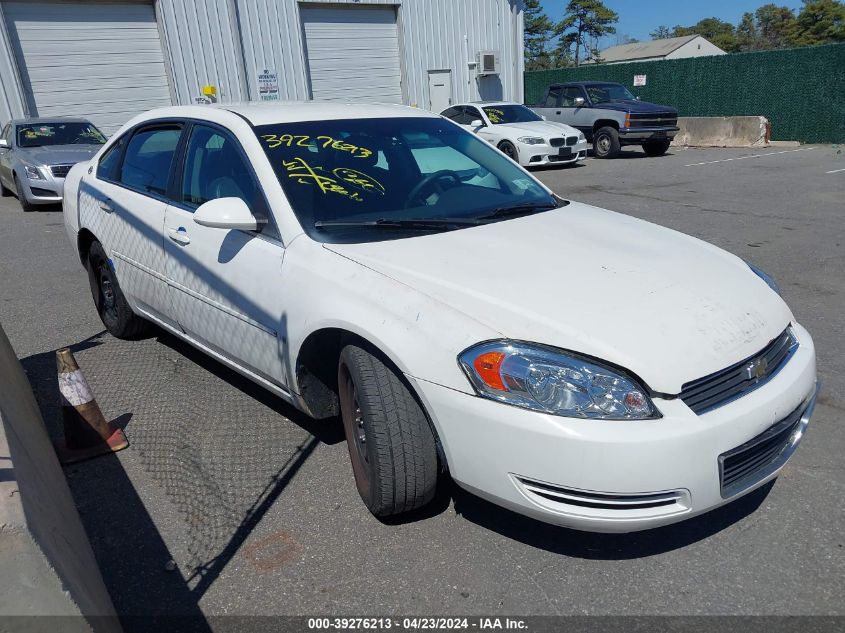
column 383, row 265
column 521, row 133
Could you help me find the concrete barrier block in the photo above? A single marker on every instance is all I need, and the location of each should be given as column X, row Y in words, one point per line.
column 726, row 131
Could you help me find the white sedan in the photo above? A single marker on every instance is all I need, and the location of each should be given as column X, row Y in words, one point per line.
column 521, row 133
column 380, row 263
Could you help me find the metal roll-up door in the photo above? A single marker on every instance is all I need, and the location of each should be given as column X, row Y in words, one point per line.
column 353, row 53
column 100, row 60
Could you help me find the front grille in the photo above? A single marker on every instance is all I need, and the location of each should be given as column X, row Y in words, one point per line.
column 571, row 140
column 717, row 389
column 60, row 171
column 580, row 500
column 557, row 142
column 653, row 119
column 745, row 465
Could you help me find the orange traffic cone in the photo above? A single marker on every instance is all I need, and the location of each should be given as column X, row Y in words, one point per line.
column 87, row 433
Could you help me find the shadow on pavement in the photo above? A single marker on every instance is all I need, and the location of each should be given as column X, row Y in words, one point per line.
column 595, row 546
column 221, row 460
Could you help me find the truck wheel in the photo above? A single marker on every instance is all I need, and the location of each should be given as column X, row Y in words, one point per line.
column 112, row 307
column 391, row 445
column 656, row 148
column 509, row 150
column 606, row 143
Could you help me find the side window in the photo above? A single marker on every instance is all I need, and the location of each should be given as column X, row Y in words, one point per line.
column 108, row 162
column 472, row 114
column 216, row 168
column 553, row 98
column 569, row 96
column 149, row 158
column 453, row 113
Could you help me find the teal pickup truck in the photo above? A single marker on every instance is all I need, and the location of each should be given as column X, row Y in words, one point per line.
column 610, row 116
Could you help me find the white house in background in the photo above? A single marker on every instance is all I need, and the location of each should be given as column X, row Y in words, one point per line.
column 669, row 48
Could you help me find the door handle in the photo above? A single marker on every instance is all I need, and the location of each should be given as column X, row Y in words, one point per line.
column 558, row 112
column 180, row 235
column 105, row 206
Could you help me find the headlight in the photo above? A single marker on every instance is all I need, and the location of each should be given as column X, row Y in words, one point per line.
column 538, row 378
column 531, row 140
column 771, row 283
column 581, row 137
column 32, row 172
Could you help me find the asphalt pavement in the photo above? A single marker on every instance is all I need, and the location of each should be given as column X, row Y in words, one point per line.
column 256, row 507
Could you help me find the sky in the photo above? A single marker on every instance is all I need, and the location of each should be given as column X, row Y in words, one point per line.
column 637, row 18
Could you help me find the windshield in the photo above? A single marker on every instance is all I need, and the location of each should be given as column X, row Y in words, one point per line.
column 58, row 133
column 375, row 179
column 609, row 92
column 503, row 114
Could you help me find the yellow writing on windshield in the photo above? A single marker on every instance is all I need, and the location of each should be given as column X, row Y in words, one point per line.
column 306, row 174
column 302, row 140
column 494, row 115
column 359, row 180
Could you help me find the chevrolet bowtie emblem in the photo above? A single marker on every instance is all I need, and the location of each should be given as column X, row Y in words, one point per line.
column 756, row 369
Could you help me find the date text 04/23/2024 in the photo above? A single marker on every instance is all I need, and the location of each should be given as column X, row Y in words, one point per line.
column 417, row 623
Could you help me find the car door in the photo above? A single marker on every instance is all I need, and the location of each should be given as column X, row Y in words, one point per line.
column 472, row 115
column 123, row 204
column 550, row 107
column 225, row 285
column 579, row 117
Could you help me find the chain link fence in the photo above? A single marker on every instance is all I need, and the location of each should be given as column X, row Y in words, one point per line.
column 801, row 91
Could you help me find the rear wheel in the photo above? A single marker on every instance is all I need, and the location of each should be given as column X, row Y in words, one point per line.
column 509, row 150
column 606, row 143
column 26, row 205
column 656, row 148
column 391, row 445
column 112, row 306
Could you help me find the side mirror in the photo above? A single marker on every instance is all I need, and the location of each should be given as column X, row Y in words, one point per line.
column 4, row 144
column 226, row 213
column 638, row 98
column 579, row 102
column 542, row 117
column 478, row 123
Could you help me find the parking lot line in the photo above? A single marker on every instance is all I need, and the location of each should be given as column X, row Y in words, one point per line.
column 725, row 160
column 835, row 171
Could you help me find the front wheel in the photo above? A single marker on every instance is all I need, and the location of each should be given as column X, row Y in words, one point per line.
column 606, row 143
column 391, row 445
column 656, row 148
column 114, row 310
column 26, row 205
column 509, row 150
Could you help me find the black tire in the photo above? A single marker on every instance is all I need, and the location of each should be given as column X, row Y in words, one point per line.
column 111, row 305
column 606, row 143
column 656, row 148
column 391, row 445
column 27, row 206
column 5, row 192
column 509, row 150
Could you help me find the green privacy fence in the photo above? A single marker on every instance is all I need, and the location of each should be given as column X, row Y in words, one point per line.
column 801, row 90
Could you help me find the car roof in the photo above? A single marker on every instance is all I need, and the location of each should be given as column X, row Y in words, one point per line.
column 488, row 103
column 49, row 119
column 290, row 111
column 592, row 82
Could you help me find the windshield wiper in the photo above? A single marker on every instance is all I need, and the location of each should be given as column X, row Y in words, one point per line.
column 519, row 209
column 388, row 223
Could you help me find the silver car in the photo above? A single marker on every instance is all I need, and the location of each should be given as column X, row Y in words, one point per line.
column 37, row 154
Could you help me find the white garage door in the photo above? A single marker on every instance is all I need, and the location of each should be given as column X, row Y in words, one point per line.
column 100, row 60
column 353, row 53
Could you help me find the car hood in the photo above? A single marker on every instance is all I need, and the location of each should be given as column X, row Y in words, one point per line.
column 666, row 306
column 57, row 154
column 543, row 128
column 635, row 107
